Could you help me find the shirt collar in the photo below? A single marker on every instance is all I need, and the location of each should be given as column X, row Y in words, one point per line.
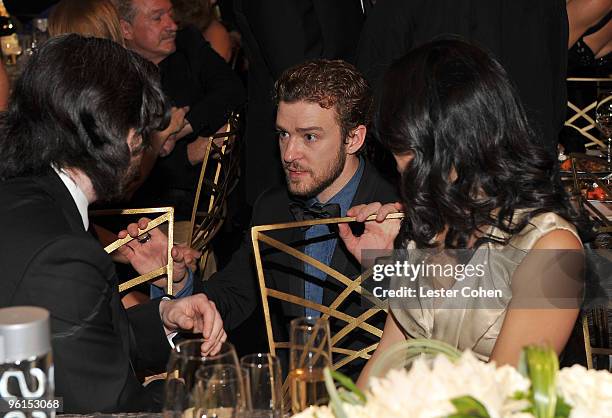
column 77, row 195
column 345, row 196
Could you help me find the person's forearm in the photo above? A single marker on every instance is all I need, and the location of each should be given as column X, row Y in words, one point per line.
column 196, row 151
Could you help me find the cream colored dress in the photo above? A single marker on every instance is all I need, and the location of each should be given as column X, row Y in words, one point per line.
column 476, row 324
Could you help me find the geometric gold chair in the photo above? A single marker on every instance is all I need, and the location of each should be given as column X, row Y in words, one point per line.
column 218, row 176
column 166, row 216
column 580, row 118
column 342, row 355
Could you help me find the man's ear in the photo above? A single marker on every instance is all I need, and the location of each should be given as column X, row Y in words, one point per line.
column 135, row 142
column 355, row 139
column 126, row 30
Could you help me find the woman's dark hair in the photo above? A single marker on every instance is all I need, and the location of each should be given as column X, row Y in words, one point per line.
column 476, row 162
column 73, row 107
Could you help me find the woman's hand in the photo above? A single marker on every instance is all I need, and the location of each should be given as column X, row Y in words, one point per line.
column 379, row 234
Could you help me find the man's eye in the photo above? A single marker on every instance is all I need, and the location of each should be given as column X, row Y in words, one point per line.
column 282, row 134
column 310, row 137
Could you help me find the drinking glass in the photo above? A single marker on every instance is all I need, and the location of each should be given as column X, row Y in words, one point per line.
column 263, row 385
column 185, row 361
column 309, row 354
column 603, row 119
column 219, row 393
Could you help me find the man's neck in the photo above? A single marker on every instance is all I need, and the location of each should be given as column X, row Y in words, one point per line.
column 83, row 182
column 350, row 168
column 154, row 59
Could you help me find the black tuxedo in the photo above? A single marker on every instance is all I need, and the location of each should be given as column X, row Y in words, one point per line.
column 49, row 260
column 278, row 34
column 235, row 290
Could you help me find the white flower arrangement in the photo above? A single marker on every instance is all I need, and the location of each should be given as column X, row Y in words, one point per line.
column 464, row 387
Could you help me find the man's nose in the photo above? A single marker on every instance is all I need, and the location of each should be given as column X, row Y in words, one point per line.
column 291, row 150
column 171, row 24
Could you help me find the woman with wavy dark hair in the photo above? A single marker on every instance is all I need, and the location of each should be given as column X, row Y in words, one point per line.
column 473, row 178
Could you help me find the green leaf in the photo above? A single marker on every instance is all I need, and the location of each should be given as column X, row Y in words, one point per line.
column 334, row 399
column 563, row 409
column 541, row 365
column 468, row 406
column 349, row 397
column 346, row 382
column 405, row 352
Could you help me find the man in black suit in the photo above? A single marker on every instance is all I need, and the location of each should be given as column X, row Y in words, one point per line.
column 323, row 109
column 278, row 34
column 197, row 80
column 78, row 121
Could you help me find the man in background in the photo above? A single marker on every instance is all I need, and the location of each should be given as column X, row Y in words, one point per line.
column 195, row 78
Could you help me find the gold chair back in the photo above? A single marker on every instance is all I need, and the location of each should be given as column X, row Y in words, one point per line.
column 351, row 285
column 222, row 164
column 166, row 216
column 580, row 116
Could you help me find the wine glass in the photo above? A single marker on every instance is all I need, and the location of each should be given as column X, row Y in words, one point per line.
column 185, row 361
column 603, row 119
column 309, row 354
column 219, row 392
column 263, row 385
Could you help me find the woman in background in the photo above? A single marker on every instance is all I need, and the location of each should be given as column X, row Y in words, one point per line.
column 96, row 18
column 200, row 13
column 473, row 177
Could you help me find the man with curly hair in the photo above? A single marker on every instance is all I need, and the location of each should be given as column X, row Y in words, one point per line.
column 323, row 110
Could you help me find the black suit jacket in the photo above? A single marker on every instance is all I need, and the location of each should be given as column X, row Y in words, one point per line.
column 195, row 76
column 276, row 35
column 235, row 288
column 47, row 259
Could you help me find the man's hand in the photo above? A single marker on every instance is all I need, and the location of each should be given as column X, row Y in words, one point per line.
column 175, row 130
column 378, row 234
column 194, row 314
column 152, row 254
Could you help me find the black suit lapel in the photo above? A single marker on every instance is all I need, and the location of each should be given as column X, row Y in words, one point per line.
column 57, row 189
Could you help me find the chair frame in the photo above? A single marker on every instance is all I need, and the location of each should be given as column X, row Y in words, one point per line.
column 167, row 215
column 212, row 218
column 583, row 113
column 258, row 234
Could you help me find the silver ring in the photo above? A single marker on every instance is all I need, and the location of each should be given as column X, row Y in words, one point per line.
column 144, row 238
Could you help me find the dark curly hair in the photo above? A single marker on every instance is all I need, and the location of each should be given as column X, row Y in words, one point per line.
column 476, row 162
column 332, row 84
column 73, row 107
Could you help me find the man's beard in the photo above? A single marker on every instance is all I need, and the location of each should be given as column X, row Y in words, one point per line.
column 319, row 183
